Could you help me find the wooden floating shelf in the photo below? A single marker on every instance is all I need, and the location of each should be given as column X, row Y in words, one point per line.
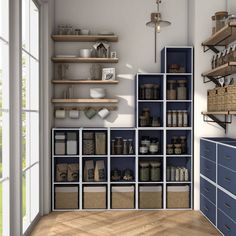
column 222, row 71
column 215, row 113
column 85, row 100
column 223, row 37
column 85, row 81
column 84, row 60
column 84, row 38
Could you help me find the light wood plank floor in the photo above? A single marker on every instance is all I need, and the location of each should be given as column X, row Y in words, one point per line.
column 125, row 223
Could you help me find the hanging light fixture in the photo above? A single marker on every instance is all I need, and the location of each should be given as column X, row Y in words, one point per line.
column 157, row 23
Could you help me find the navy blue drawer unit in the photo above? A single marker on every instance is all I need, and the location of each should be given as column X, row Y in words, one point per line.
column 227, row 204
column 226, row 179
column 218, row 195
column 225, row 224
column 208, row 150
column 208, row 209
column 227, row 157
column 208, row 190
column 208, row 169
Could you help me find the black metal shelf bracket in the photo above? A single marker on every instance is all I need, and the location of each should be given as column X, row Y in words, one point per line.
column 212, row 79
column 214, row 119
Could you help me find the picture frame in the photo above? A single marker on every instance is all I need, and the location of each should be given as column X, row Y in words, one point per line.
column 113, row 55
column 108, row 74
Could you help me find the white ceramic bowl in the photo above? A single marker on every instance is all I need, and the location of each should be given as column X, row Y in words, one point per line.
column 85, row 53
column 97, row 93
column 85, row 31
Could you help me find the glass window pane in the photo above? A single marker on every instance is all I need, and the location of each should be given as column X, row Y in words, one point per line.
column 25, row 140
column 34, row 85
column 34, row 137
column 34, row 180
column 25, row 81
column 25, row 24
column 26, row 199
column 4, row 19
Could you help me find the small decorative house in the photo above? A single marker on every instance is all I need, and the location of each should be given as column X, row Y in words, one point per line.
column 102, row 49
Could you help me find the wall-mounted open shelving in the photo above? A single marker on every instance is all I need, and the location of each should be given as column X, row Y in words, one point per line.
column 85, row 82
column 84, row 60
column 85, row 100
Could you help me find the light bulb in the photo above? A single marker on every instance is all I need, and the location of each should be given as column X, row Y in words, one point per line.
column 158, row 28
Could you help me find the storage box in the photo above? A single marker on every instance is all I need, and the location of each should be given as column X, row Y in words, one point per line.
column 66, row 198
column 95, row 197
column 230, row 98
column 72, row 143
column 60, row 145
column 178, row 196
column 211, row 100
column 100, row 140
column 122, row 197
column 150, row 197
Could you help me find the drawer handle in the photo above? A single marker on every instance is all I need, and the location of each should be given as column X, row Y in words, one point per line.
column 227, row 228
column 227, row 158
column 227, row 205
column 206, row 208
column 228, row 180
column 207, row 190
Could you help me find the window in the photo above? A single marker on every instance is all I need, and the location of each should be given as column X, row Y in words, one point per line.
column 30, row 112
column 4, row 117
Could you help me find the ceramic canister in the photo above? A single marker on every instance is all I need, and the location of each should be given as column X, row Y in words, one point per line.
column 74, row 114
column 60, row 114
column 103, row 113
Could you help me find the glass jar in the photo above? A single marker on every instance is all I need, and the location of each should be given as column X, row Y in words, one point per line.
column 145, row 141
column 125, row 146
column 220, row 18
column 155, row 171
column 174, row 118
column 186, row 174
column 181, row 174
column 172, row 173
column 185, row 118
column 148, row 91
column 178, row 149
column 141, row 92
column 143, row 149
column 113, row 152
column 154, row 146
column 182, row 90
column 143, row 121
column 177, row 174
column 130, row 146
column 156, row 91
column 146, row 113
column 171, row 90
column 168, row 173
column 170, row 149
column 119, row 146
column 144, row 171
column 180, row 118
column 169, row 118
column 183, row 141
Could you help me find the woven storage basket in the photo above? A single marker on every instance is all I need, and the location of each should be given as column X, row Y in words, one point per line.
column 178, row 197
column 230, row 98
column 150, row 197
column 95, row 197
column 88, row 147
column 66, row 198
column 88, row 135
column 220, row 94
column 210, row 95
column 123, row 197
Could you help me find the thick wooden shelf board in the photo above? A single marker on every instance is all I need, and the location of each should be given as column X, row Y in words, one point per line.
column 85, row 81
column 84, row 38
column 84, row 60
column 85, row 100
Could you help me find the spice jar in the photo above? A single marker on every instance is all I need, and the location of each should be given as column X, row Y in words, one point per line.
column 156, row 91
column 153, row 148
column 220, row 18
column 178, row 150
column 119, row 146
column 171, row 90
column 141, row 92
column 174, row 118
column 182, row 90
column 185, row 118
column 144, row 171
column 180, row 118
column 143, row 121
column 169, row 118
column 170, row 149
column 213, row 24
column 183, row 141
column 148, row 91
column 155, row 171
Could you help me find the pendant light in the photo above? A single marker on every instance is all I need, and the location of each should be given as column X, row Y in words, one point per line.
column 157, row 23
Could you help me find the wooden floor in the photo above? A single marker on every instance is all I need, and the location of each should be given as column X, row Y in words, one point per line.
column 122, row 223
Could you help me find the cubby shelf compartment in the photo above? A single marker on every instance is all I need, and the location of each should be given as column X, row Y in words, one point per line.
column 219, row 72
column 85, row 100
column 84, row 38
column 214, row 119
column 223, row 37
column 85, row 81
column 84, row 60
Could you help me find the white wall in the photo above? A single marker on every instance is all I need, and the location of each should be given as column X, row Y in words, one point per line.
column 135, row 47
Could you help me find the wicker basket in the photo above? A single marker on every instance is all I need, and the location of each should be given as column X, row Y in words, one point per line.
column 230, row 98
column 88, row 147
column 123, row 197
column 95, row 197
column 178, row 196
column 220, row 97
column 150, row 197
column 66, row 198
column 211, row 100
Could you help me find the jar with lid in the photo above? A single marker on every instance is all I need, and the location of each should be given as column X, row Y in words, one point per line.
column 181, row 174
column 145, row 141
column 172, row 173
column 170, row 149
column 169, row 118
column 171, row 90
column 183, row 141
column 141, row 92
column 113, row 147
column 168, row 173
column 174, row 118
column 220, row 17
column 156, row 91
column 125, row 147
column 180, row 118
column 130, row 146
column 148, row 91
column 143, row 121
column 177, row 174
column 185, row 118
column 143, row 149
column 154, row 146
column 155, row 171
column 144, row 171
column 182, row 90
column 174, row 139
column 146, row 113
column 178, row 149
column 186, row 174
column 119, row 146
column 213, row 18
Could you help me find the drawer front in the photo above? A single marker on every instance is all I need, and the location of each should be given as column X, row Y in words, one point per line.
column 208, row 150
column 208, row 169
column 208, row 190
column 227, row 204
column 225, row 224
column 208, row 209
column 227, row 157
column 226, row 179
